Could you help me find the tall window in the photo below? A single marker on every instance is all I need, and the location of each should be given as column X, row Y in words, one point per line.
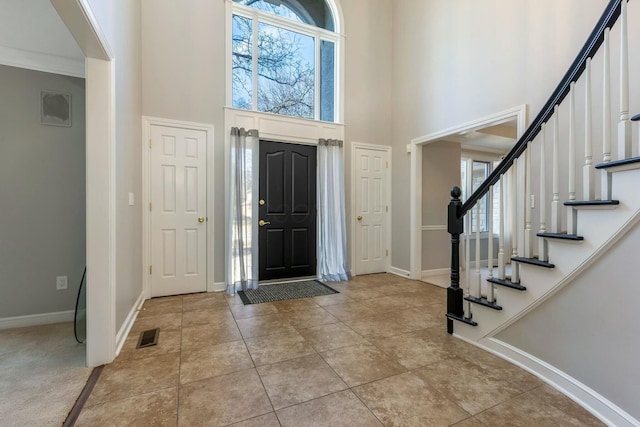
column 284, row 58
column 472, row 174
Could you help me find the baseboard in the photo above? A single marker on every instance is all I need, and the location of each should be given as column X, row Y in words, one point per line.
column 37, row 319
column 605, row 410
column 216, row 287
column 123, row 333
column 399, row 272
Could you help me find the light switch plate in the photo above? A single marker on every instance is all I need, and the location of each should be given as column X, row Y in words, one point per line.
column 131, row 199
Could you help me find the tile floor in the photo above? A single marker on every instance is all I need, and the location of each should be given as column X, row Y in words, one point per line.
column 375, row 354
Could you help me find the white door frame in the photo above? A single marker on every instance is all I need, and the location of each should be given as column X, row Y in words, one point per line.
column 353, row 221
column 100, row 178
column 415, row 204
column 147, row 122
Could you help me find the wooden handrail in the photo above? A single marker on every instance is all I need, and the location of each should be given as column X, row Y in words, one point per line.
column 607, row 20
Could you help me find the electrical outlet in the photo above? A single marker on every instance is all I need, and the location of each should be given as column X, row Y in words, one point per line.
column 61, row 282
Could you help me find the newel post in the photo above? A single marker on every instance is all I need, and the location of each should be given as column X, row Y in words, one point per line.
column 455, row 227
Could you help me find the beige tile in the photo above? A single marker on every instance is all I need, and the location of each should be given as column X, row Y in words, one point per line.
column 363, row 294
column 419, row 318
column 420, row 348
column 295, row 304
column 299, row 380
column 361, row 364
column 207, row 317
column 268, row 420
column 158, row 408
column 223, row 400
column 220, row 296
column 197, row 336
column 379, row 326
column 166, row 322
column 339, row 409
column 164, row 305
column 385, row 304
column 313, row 316
column 253, row 310
column 213, row 302
column 276, row 348
column 168, row 342
column 350, row 311
column 527, row 410
column 331, row 299
column 550, row 396
column 126, row 378
column 264, row 325
column 469, row 422
column 215, row 360
column 471, row 387
column 330, row 337
column 406, row 400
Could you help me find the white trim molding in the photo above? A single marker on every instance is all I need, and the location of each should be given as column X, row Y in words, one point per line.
column 147, row 123
column 399, row 272
column 415, row 174
column 434, row 228
column 37, row 61
column 37, row 319
column 123, row 333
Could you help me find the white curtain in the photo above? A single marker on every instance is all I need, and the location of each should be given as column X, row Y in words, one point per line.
column 332, row 257
column 241, row 229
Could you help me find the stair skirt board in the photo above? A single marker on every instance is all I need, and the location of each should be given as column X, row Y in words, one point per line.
column 596, row 404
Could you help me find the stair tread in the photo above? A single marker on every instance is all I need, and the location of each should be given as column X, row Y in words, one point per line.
column 563, row 236
column 532, row 261
column 484, row 302
column 461, row 319
column 592, row 203
column 507, row 283
column 615, row 163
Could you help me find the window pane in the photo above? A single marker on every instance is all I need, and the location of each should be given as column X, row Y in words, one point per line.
column 286, row 76
column 480, row 172
column 327, row 80
column 312, row 12
column 242, row 49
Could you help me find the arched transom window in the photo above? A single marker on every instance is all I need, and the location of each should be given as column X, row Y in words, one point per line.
column 284, row 58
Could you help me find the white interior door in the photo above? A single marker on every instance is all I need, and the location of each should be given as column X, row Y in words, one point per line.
column 372, row 210
column 178, row 211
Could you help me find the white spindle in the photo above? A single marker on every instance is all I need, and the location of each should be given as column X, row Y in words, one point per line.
column 478, row 277
column 606, row 117
column 624, row 125
column 542, row 202
column 528, row 232
column 571, row 223
column 501, row 268
column 467, row 264
column 555, row 201
column 490, row 289
column 587, row 170
column 515, row 273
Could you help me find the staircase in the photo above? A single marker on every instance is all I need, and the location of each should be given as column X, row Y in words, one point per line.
column 567, row 200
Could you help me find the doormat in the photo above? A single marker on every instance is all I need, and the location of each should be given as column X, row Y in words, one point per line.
column 285, row 291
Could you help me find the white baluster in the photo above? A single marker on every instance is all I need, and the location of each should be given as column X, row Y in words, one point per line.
column 515, row 272
column 478, row 277
column 571, row 213
column 555, row 201
column 587, row 170
column 501, row 267
column 490, row 289
column 624, row 126
column 467, row 264
column 543, row 254
column 528, row 232
column 605, row 188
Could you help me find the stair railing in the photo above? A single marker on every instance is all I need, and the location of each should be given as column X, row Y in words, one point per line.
column 514, row 175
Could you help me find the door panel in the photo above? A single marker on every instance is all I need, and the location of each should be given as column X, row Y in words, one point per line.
column 288, row 187
column 178, row 200
column 372, row 178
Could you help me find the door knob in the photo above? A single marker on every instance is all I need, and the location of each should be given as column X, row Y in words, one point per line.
column 359, row 218
column 262, row 223
column 201, row 219
column 261, row 202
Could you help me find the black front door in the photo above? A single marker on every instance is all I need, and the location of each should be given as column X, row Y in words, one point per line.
column 287, row 210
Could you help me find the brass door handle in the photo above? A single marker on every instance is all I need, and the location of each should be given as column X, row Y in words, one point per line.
column 359, row 218
column 262, row 223
column 201, row 219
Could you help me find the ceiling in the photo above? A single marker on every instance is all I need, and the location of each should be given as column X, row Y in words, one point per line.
column 32, row 35
column 499, row 138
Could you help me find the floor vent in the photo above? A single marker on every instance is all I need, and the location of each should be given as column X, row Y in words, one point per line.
column 148, row 338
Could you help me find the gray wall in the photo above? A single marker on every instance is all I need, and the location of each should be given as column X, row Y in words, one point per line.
column 42, row 194
column 120, row 22
column 590, row 329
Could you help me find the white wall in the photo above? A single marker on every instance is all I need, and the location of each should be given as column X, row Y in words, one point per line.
column 183, row 74
column 589, row 329
column 42, row 176
column 120, row 22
